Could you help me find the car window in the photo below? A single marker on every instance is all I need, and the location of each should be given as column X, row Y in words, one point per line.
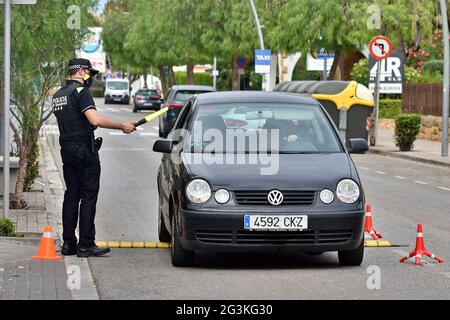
column 182, row 116
column 117, row 85
column 147, row 93
column 184, row 95
column 287, row 128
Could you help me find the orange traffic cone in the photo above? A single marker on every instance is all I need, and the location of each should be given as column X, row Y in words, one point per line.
column 47, row 247
column 420, row 250
column 368, row 225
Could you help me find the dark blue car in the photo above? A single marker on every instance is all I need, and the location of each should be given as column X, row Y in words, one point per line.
column 176, row 98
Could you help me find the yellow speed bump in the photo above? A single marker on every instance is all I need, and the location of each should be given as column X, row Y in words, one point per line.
column 377, row 243
column 134, row 245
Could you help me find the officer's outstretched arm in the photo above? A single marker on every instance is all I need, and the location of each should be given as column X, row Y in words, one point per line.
column 98, row 121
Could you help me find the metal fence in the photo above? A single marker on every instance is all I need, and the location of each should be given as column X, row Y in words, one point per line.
column 425, row 99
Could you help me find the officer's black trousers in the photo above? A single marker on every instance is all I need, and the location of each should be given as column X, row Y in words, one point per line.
column 81, row 170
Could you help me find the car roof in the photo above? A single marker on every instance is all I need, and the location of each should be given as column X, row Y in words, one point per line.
column 193, row 88
column 255, row 96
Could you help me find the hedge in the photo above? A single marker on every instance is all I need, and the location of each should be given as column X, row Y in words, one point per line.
column 390, row 108
column 434, row 66
column 201, row 79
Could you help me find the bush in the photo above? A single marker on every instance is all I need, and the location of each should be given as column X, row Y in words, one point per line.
column 200, row 79
column 407, row 128
column 390, row 108
column 434, row 66
column 98, row 92
column 430, row 77
column 360, row 72
column 6, row 227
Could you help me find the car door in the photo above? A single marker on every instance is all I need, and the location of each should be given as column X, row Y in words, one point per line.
column 170, row 183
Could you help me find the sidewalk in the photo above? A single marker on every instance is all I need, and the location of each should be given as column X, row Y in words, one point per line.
column 20, row 277
column 24, row 279
column 424, row 151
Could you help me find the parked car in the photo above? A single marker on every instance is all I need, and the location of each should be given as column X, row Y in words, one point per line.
column 176, row 98
column 313, row 202
column 117, row 90
column 146, row 99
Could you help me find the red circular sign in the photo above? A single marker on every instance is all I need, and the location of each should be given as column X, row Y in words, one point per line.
column 380, row 48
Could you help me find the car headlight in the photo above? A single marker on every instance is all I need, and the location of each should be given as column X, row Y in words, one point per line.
column 326, row 196
column 198, row 191
column 125, row 94
column 347, row 191
column 222, row 196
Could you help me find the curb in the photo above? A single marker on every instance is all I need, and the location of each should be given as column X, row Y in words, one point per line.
column 74, row 266
column 408, row 157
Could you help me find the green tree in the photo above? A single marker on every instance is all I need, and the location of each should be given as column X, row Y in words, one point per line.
column 44, row 37
column 342, row 26
column 228, row 32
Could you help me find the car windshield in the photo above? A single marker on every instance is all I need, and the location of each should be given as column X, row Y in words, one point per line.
column 261, row 127
column 147, row 93
column 184, row 95
column 117, row 85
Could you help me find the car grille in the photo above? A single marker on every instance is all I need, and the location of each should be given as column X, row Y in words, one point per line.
column 273, row 237
column 301, row 197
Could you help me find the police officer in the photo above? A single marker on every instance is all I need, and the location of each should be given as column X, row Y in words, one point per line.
column 77, row 117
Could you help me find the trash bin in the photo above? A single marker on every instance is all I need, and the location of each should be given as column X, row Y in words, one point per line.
column 349, row 104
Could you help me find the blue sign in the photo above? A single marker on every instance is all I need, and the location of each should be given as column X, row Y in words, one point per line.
column 263, row 61
column 323, row 54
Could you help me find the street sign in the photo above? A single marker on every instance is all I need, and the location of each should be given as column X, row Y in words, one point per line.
column 392, row 73
column 21, row 1
column 313, row 64
column 263, row 61
column 380, row 48
column 322, row 53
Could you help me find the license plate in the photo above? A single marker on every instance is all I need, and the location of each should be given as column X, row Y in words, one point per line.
column 290, row 223
column 117, row 99
column 148, row 104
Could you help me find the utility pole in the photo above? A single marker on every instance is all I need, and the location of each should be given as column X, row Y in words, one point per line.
column 445, row 103
column 6, row 104
column 215, row 73
column 265, row 77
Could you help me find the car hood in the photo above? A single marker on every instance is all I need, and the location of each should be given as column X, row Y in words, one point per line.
column 294, row 171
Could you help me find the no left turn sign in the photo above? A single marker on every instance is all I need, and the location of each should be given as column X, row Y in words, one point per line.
column 380, row 48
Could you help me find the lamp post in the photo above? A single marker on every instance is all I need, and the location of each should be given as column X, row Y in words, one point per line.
column 265, row 77
column 445, row 103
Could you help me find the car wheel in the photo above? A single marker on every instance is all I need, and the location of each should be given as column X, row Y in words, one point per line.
column 164, row 235
column 180, row 256
column 352, row 257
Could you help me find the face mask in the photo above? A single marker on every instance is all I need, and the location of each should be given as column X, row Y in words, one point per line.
column 87, row 81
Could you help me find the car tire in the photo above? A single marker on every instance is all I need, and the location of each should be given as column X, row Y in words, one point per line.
column 353, row 257
column 180, row 256
column 163, row 234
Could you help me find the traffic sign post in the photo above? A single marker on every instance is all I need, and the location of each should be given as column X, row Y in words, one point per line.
column 380, row 48
column 7, row 96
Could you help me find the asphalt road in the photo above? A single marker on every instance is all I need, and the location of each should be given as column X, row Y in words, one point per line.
column 402, row 194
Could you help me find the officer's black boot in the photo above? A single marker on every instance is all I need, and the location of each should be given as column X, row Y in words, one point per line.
column 93, row 251
column 68, row 249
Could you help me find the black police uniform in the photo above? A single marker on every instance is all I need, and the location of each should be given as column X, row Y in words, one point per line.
column 81, row 163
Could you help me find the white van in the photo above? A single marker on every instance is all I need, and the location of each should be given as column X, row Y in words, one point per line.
column 117, row 90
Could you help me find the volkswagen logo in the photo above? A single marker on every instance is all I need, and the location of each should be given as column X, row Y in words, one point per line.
column 275, row 197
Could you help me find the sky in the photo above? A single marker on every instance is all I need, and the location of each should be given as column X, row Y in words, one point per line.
column 101, row 6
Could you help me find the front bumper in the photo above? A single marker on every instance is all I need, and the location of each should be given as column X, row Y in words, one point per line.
column 222, row 231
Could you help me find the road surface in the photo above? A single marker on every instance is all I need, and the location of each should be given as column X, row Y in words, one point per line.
column 402, row 194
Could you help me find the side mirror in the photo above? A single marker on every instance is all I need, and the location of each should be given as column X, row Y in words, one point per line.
column 163, row 146
column 358, row 146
